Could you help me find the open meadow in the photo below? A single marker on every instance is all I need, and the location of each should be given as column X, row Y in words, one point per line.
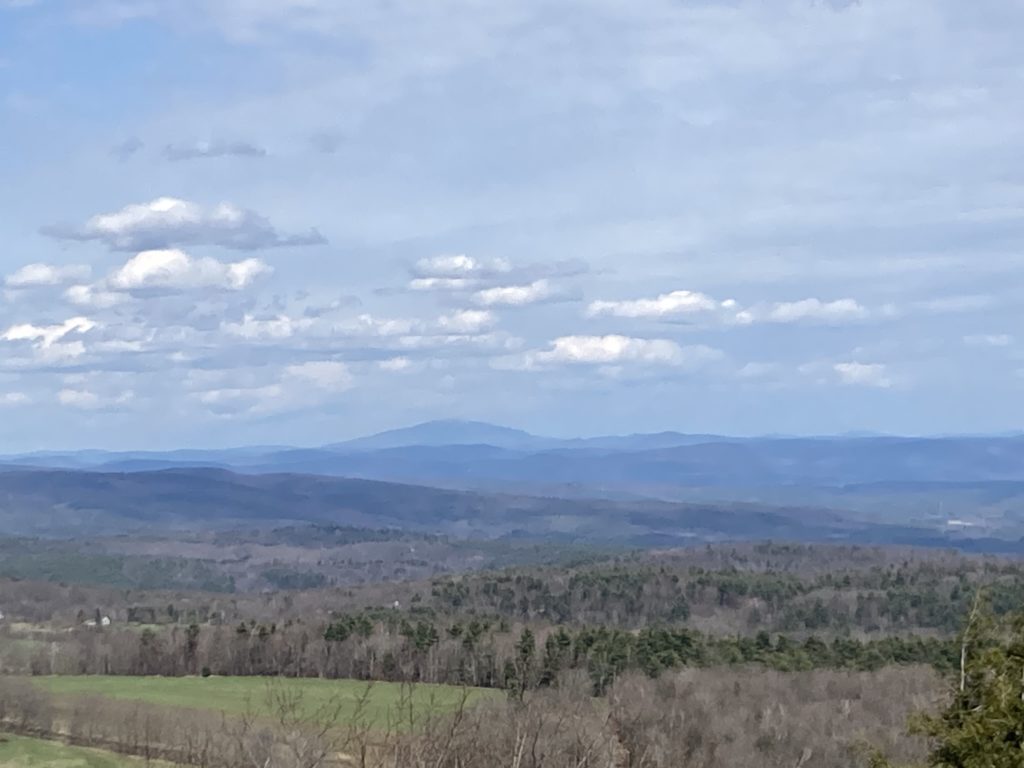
column 19, row 752
column 377, row 704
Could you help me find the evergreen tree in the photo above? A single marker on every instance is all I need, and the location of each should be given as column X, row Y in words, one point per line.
column 982, row 726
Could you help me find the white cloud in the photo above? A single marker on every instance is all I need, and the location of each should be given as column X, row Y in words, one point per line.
column 395, row 364
column 14, row 399
column 514, row 295
column 863, row 374
column 442, row 284
column 466, row 321
column 665, row 305
column 48, row 335
column 94, row 296
column 459, row 266
column 614, row 349
column 242, row 398
column 260, row 391
column 175, row 269
column 325, row 374
column 477, row 341
column 496, row 281
column 169, row 221
column 455, row 272
column 989, row 340
column 280, row 327
column 694, row 303
column 840, row 310
column 369, row 325
column 88, row 400
column 462, row 323
column 805, row 310
column 35, row 275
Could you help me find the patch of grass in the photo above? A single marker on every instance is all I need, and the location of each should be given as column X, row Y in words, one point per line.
column 241, row 694
column 18, row 752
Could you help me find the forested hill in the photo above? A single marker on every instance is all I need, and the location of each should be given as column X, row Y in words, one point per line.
column 475, row 454
column 63, row 503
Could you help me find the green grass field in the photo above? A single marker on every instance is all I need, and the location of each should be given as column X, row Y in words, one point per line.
column 17, row 752
column 240, row 694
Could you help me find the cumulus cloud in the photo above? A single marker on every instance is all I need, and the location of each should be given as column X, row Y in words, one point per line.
column 612, row 350
column 806, row 310
column 459, row 266
column 49, row 344
column 232, row 400
column 863, row 374
column 279, row 327
column 665, row 305
column 496, row 281
column 267, row 390
column 370, row 325
column 467, row 321
column 175, row 269
column 514, row 295
column 455, row 272
column 460, row 341
column 95, row 297
column 38, row 275
column 442, row 283
column 695, row 304
column 48, row 335
column 169, row 221
column 197, row 150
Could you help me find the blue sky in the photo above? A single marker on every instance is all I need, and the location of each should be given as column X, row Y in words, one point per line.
column 296, row 221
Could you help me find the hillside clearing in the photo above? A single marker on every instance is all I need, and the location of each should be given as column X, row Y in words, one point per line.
column 377, row 703
column 19, row 752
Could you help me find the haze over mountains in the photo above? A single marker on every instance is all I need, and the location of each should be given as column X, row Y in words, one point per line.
column 476, row 479
column 481, row 455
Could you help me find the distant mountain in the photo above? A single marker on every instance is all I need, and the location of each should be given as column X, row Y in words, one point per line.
column 61, row 503
column 448, row 432
column 886, row 478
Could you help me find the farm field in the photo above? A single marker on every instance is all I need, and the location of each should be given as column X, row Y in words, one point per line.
column 18, row 752
column 237, row 695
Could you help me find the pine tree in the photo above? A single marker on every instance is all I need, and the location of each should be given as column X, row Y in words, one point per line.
column 982, row 726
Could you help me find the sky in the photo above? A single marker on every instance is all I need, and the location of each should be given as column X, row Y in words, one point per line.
column 231, row 222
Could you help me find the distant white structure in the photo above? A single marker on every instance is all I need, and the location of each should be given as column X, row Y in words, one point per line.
column 396, row 605
column 104, row 622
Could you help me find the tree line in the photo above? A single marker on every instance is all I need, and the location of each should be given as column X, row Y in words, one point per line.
column 492, row 653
